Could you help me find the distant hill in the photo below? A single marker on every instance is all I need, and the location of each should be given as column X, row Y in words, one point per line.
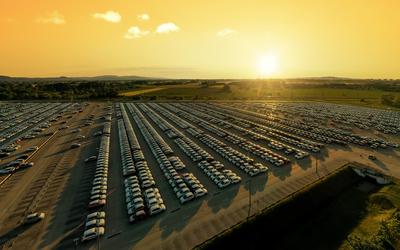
column 65, row 79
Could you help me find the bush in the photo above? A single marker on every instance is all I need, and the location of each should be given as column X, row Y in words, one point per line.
column 386, row 238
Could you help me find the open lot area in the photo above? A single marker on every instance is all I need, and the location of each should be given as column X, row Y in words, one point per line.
column 170, row 175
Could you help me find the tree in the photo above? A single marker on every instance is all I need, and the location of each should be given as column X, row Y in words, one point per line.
column 226, row 88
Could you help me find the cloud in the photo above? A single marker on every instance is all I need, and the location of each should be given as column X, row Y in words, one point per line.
column 109, row 16
column 226, row 32
column 54, row 18
column 143, row 17
column 166, row 28
column 135, row 32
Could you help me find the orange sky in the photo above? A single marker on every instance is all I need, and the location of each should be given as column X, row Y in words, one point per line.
column 200, row 39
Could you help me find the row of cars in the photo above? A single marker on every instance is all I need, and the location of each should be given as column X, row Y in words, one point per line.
column 184, row 191
column 30, row 126
column 95, row 222
column 213, row 169
column 141, row 196
column 189, row 179
column 257, row 149
column 218, row 174
column 128, row 166
column 139, row 185
column 300, row 135
column 20, row 119
column 270, row 127
column 21, row 161
column 363, row 118
column 277, row 145
column 276, row 139
column 238, row 159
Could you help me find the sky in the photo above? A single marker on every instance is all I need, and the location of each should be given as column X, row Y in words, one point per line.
column 200, row 38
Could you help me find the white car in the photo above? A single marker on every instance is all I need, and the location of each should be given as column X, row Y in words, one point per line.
column 98, row 197
column 97, row 203
column 91, row 158
column 96, row 215
column 95, row 223
column 200, row 192
column 156, row 209
column 98, row 191
column 93, row 233
column 186, row 197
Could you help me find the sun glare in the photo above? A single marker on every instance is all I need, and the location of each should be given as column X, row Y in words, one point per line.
column 267, row 65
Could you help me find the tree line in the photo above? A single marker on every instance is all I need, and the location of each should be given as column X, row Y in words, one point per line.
column 63, row 90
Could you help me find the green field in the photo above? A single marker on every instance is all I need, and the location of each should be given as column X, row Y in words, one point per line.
column 141, row 91
column 249, row 91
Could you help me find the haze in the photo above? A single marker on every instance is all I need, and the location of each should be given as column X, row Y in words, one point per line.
column 200, row 39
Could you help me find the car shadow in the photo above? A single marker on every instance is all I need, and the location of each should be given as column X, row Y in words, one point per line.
column 305, row 163
column 7, row 238
column 175, row 221
column 223, row 198
column 380, row 164
column 281, row 172
column 71, row 207
column 256, row 184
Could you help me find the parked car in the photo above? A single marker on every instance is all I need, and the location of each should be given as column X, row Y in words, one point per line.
column 75, row 145
column 96, row 215
column 139, row 215
column 26, row 165
column 91, row 158
column 8, row 170
column 92, row 233
column 95, row 223
column 97, row 203
column 33, row 218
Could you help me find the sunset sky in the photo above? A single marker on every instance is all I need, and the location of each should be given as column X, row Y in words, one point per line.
column 200, row 39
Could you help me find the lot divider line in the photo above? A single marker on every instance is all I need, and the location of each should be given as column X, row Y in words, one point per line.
column 33, row 154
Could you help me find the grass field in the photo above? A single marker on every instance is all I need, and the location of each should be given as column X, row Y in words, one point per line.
column 141, row 91
column 248, row 91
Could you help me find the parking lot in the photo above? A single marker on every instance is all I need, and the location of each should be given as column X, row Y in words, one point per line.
column 172, row 174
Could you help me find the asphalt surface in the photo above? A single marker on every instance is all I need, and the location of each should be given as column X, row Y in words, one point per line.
column 60, row 182
column 41, row 187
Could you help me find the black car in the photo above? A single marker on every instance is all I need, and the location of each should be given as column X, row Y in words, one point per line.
column 4, row 154
column 25, row 156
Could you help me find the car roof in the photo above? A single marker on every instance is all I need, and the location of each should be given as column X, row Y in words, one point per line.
column 32, row 215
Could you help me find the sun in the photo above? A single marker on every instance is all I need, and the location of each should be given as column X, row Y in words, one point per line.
column 267, row 65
